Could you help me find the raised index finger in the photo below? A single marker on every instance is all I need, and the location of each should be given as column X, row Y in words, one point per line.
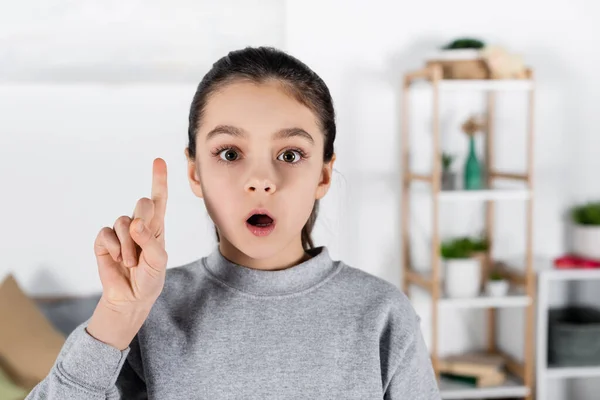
column 159, row 188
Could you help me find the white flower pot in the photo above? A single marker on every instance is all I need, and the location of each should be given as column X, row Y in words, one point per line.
column 586, row 241
column 455, row 55
column 497, row 288
column 462, row 277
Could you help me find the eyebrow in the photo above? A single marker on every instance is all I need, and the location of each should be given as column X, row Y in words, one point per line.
column 238, row 132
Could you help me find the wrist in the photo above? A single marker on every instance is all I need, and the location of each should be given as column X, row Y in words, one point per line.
column 115, row 328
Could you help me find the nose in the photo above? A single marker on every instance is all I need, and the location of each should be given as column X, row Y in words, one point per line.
column 258, row 185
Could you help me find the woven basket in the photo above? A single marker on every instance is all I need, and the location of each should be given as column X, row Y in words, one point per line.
column 574, row 336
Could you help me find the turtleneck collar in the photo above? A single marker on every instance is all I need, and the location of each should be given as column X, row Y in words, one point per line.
column 272, row 283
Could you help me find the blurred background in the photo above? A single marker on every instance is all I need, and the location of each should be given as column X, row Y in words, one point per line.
column 91, row 92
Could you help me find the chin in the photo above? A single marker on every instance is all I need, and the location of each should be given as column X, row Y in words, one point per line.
column 259, row 252
column 258, row 249
column 253, row 247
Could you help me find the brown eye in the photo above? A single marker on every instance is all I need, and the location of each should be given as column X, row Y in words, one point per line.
column 228, row 155
column 289, row 156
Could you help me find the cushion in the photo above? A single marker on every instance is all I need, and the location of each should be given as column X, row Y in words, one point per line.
column 29, row 344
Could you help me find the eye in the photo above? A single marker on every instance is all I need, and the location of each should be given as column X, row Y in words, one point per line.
column 290, row 156
column 228, row 155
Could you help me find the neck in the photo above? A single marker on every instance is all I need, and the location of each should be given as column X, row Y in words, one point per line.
column 291, row 255
column 277, row 282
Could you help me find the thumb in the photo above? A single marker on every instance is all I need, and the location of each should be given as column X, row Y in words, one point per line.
column 153, row 253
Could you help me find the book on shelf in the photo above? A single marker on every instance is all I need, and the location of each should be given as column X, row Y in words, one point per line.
column 477, row 368
column 571, row 261
column 490, row 380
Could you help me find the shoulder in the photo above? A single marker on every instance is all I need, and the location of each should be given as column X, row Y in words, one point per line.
column 382, row 296
column 185, row 272
column 391, row 315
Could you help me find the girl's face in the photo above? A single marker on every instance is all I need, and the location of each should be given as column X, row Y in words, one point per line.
column 259, row 148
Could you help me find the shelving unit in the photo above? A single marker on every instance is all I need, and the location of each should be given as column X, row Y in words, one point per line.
column 544, row 371
column 520, row 381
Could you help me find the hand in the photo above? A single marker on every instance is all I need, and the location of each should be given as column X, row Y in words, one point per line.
column 131, row 264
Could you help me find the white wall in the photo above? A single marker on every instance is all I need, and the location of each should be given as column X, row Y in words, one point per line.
column 140, row 41
column 91, row 94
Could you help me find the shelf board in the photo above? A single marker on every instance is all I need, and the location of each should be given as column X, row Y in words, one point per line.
column 515, row 298
column 478, row 84
column 484, row 194
column 456, row 390
column 571, row 274
column 485, row 301
column 573, row 372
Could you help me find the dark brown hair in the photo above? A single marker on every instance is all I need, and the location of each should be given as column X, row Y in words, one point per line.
column 259, row 64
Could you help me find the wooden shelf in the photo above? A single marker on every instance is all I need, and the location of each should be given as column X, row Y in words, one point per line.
column 479, row 195
column 477, row 84
column 513, row 387
column 485, row 194
column 420, row 279
column 429, row 78
column 485, row 301
column 515, row 298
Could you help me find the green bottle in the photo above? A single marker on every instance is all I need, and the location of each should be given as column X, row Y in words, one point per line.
column 472, row 168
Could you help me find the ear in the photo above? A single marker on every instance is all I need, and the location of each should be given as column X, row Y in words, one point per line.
column 325, row 180
column 193, row 176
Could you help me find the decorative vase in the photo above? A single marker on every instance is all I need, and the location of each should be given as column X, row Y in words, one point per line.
column 462, row 277
column 497, row 288
column 472, row 168
column 586, row 241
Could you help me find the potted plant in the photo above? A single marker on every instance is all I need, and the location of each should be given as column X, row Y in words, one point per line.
column 448, row 177
column 461, row 59
column 586, row 230
column 496, row 285
column 464, row 43
column 462, row 261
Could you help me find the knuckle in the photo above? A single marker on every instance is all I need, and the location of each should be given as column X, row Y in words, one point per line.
column 102, row 232
column 105, row 234
column 106, row 240
column 145, row 202
column 122, row 221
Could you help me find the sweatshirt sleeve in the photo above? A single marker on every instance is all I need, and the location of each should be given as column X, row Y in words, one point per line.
column 87, row 368
column 414, row 377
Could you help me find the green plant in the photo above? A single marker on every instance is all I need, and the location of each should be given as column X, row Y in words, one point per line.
column 480, row 244
column 464, row 43
column 447, row 160
column 586, row 214
column 496, row 276
column 463, row 247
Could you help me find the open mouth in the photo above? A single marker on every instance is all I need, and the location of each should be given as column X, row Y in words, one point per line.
column 260, row 223
column 260, row 220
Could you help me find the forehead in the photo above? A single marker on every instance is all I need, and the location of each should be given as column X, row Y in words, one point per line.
column 260, row 109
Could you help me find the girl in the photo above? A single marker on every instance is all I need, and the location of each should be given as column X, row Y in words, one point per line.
column 265, row 315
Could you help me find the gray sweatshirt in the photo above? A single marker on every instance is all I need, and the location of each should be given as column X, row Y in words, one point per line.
column 318, row 330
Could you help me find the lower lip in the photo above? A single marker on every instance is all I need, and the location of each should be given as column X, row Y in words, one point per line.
column 260, row 230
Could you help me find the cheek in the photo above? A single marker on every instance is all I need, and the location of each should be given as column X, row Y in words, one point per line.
column 300, row 196
column 303, row 179
column 218, row 188
column 219, row 204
